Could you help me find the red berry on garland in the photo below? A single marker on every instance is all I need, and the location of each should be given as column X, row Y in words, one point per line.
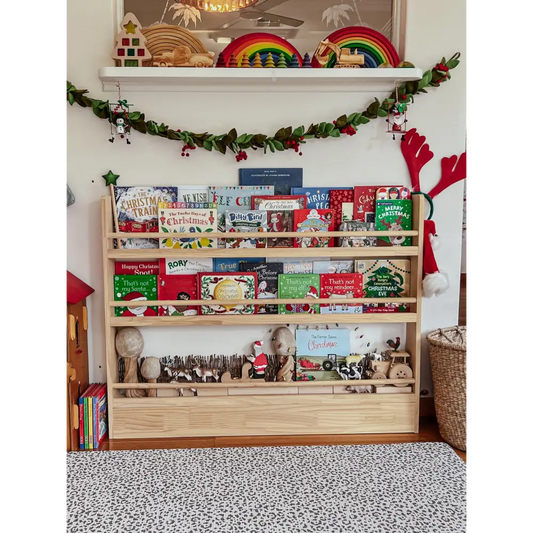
column 300, row 153
column 182, row 154
column 187, row 155
column 301, row 138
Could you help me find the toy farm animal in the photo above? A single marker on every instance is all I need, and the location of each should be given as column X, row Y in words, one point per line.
column 205, row 373
column 182, row 56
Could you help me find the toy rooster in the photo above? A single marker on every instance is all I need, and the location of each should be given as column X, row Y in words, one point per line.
column 394, row 344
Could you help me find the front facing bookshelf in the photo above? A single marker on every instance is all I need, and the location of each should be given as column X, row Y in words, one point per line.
column 262, row 408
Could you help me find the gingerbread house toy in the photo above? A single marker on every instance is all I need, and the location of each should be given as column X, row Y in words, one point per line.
column 130, row 48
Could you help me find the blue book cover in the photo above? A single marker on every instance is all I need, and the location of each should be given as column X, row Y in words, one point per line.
column 283, row 179
column 232, row 265
column 317, row 198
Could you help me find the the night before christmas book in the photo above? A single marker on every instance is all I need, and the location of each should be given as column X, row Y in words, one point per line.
column 267, row 283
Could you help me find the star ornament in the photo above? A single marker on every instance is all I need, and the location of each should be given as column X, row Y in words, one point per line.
column 130, row 27
column 110, row 178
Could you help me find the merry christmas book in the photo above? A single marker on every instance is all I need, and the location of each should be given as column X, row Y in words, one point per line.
column 138, row 289
column 338, row 287
column 227, row 286
column 299, row 286
column 394, row 215
column 182, row 287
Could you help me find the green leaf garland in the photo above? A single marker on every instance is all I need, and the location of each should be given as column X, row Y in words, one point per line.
column 287, row 138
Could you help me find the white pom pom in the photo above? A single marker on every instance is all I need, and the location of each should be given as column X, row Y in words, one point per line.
column 435, row 241
column 434, row 284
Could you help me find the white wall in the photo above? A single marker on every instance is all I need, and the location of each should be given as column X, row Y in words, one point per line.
column 434, row 29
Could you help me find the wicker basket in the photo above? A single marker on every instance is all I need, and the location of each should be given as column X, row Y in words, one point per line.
column 447, row 356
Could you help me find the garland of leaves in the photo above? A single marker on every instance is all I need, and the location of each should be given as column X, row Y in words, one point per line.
column 285, row 138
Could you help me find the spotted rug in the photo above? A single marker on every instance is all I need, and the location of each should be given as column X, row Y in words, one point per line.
column 395, row 488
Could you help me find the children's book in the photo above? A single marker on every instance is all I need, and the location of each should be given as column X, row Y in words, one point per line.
column 364, row 203
column 317, row 198
column 84, row 417
column 245, row 221
column 385, row 278
column 101, row 415
column 337, row 198
column 137, row 212
column 227, row 286
column 394, row 215
column 232, row 264
column 333, row 267
column 279, row 203
column 267, row 283
column 136, row 268
column 238, row 197
column 193, row 193
column 316, row 221
column 138, row 289
column 95, row 400
column 356, row 242
column 347, row 211
column 299, row 286
column 393, row 193
column 337, row 287
column 283, row 179
column 295, row 266
column 183, row 287
column 171, row 267
column 181, row 218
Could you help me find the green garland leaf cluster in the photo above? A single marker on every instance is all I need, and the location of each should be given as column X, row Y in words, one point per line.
column 285, row 138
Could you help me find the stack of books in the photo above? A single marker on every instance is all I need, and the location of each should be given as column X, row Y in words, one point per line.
column 93, row 416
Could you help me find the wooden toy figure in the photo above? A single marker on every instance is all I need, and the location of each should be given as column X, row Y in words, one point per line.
column 150, row 371
column 129, row 344
column 259, row 360
column 284, row 346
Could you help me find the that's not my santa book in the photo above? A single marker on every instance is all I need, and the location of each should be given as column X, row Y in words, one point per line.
column 138, row 289
column 227, row 286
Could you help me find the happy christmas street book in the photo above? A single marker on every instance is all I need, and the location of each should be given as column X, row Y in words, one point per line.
column 316, row 221
column 171, row 267
column 137, row 212
column 394, row 215
column 234, row 197
column 299, row 286
column 179, row 217
column 138, row 289
column 317, row 198
column 245, row 221
column 338, row 287
column 183, row 287
column 385, row 278
column 227, row 286
column 283, row 179
column 267, row 283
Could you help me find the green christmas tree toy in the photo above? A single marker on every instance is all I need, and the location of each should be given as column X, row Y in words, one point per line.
column 232, row 62
column 294, row 62
column 257, row 61
column 269, row 63
column 221, row 62
column 245, row 61
column 282, row 62
column 307, row 61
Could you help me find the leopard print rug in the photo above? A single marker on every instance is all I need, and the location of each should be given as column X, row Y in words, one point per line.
column 395, row 488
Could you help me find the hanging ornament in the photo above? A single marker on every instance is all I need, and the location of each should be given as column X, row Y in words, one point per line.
column 118, row 119
column 397, row 116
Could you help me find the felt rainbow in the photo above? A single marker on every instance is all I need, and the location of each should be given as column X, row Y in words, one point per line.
column 261, row 43
column 376, row 48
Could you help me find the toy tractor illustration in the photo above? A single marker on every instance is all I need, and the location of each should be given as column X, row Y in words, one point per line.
column 346, row 57
column 391, row 369
column 182, row 56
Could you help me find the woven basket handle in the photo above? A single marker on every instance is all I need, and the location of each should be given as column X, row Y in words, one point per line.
column 448, row 338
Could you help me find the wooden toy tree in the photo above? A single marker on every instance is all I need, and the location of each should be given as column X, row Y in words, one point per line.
column 257, row 61
column 221, row 62
column 269, row 63
column 307, row 61
column 130, row 48
column 245, row 61
column 232, row 62
column 294, row 62
column 282, row 62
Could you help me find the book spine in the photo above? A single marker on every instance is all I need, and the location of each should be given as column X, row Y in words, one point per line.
column 90, row 411
column 95, row 420
column 82, row 420
column 85, row 424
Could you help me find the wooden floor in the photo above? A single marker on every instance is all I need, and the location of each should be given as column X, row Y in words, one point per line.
column 429, row 431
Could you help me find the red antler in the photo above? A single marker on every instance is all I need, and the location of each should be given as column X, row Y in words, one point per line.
column 385, row 223
column 453, row 170
column 416, row 154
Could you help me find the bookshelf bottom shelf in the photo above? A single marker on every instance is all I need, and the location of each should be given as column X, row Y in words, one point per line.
column 263, row 415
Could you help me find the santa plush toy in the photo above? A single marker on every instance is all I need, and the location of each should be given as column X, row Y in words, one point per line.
column 434, row 282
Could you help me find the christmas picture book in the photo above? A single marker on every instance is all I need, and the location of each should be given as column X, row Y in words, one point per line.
column 385, row 278
column 182, row 287
column 316, row 221
column 333, row 267
column 317, row 198
column 137, row 212
column 136, row 267
column 245, row 221
column 394, row 215
column 338, row 287
column 356, row 242
column 364, row 203
column 193, row 193
column 295, row 266
column 227, row 286
column 179, row 217
column 171, row 266
column 279, row 203
column 337, row 198
column 232, row 264
column 283, row 179
column 299, row 286
column 138, row 289
column 393, row 193
column 267, row 283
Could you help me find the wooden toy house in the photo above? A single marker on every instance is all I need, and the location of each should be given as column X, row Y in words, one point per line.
column 77, row 353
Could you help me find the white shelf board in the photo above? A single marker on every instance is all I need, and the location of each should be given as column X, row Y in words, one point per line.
column 148, row 79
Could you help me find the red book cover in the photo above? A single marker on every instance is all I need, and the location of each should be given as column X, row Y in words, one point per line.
column 227, row 286
column 136, row 267
column 337, row 197
column 364, row 203
column 314, row 220
column 279, row 203
column 98, row 395
column 338, row 287
column 177, row 287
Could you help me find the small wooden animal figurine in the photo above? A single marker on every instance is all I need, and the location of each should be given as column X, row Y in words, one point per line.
column 150, row 371
column 284, row 346
column 205, row 373
column 259, row 361
column 130, row 48
column 176, row 373
column 245, row 374
column 394, row 344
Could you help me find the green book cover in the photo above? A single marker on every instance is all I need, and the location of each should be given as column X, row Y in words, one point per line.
column 394, row 215
column 137, row 289
column 299, row 286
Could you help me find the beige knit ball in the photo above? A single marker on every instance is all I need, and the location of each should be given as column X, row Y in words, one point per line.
column 129, row 342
